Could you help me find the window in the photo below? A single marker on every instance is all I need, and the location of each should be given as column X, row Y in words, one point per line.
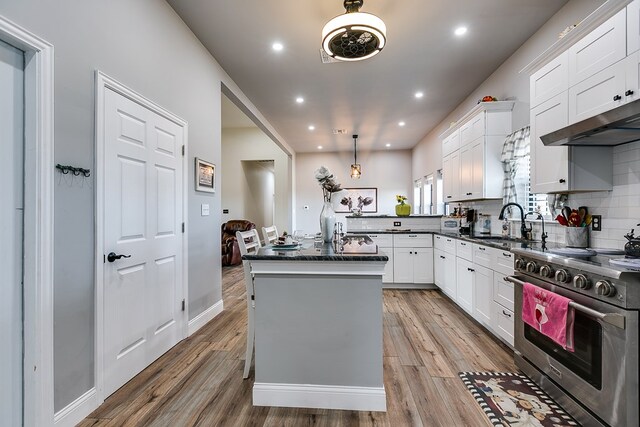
column 531, row 202
column 417, row 197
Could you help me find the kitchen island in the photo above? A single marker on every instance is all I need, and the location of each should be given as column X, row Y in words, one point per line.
column 318, row 325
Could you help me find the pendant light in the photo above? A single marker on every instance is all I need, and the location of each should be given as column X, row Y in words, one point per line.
column 356, row 170
column 355, row 35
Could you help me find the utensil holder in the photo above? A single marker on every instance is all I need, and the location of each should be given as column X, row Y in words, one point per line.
column 577, row 237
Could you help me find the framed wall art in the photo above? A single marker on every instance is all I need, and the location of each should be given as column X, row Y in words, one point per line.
column 365, row 199
column 205, row 176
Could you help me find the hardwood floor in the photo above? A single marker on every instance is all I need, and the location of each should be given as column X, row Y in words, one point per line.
column 427, row 341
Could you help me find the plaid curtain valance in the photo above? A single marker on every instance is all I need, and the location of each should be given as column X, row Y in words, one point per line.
column 516, row 146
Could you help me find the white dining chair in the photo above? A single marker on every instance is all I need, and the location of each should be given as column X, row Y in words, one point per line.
column 270, row 234
column 249, row 242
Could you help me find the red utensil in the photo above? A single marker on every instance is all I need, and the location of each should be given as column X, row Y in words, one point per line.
column 562, row 220
column 574, row 219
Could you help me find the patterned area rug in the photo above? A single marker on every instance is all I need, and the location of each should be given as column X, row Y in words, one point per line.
column 510, row 399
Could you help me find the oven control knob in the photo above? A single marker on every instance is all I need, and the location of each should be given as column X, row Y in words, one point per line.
column 520, row 264
column 532, row 267
column 581, row 282
column 546, row 271
column 605, row 288
column 563, row 276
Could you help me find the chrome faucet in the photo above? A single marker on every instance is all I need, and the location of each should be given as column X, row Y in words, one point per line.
column 524, row 231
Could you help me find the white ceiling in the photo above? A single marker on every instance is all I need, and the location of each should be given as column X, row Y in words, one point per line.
column 368, row 97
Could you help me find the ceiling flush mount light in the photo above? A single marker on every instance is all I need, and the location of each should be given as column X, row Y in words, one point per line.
column 356, row 170
column 299, row 100
column 355, row 35
column 387, row 145
column 312, row 127
column 418, row 95
column 277, row 46
column 460, row 31
column 319, row 147
column 401, row 123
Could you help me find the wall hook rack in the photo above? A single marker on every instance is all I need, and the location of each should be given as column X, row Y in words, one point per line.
column 75, row 171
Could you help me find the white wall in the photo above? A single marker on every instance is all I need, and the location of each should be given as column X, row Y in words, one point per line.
column 387, row 171
column 259, row 191
column 242, row 144
column 505, row 82
column 146, row 46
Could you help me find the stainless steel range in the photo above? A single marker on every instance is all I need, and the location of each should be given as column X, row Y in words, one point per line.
column 598, row 382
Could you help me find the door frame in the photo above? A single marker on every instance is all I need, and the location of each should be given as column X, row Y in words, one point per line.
column 38, row 223
column 103, row 83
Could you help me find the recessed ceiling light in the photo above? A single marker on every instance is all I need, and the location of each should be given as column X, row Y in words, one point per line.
column 312, row 127
column 319, row 147
column 419, row 95
column 460, row 31
column 299, row 100
column 387, row 145
column 401, row 123
column 277, row 46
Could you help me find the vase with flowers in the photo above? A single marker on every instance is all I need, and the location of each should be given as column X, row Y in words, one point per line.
column 402, row 208
column 327, row 216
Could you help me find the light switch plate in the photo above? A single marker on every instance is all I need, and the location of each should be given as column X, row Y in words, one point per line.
column 204, row 209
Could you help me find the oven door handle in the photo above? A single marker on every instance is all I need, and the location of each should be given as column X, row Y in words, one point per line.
column 615, row 319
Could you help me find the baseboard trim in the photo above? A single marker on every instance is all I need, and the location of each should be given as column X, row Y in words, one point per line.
column 203, row 318
column 320, row 396
column 77, row 410
column 409, row 286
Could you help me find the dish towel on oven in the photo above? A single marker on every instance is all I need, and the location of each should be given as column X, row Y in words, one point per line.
column 548, row 313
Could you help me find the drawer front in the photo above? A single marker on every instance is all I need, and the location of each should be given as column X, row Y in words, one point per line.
column 502, row 290
column 464, row 250
column 450, row 245
column 504, row 322
column 438, row 242
column 504, row 262
column 382, row 240
column 412, row 241
column 482, row 255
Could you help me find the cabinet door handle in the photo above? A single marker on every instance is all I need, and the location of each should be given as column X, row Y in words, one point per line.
column 448, row 197
column 442, row 256
column 470, row 269
column 562, row 180
column 463, row 244
column 507, row 254
column 628, row 93
column 506, row 314
column 617, row 98
column 482, row 249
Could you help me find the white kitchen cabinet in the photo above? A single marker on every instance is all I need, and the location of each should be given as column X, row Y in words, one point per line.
column 451, row 176
column 385, row 244
column 464, row 249
column 480, row 169
column 464, row 278
column 551, row 80
column 413, row 258
column 633, row 26
column 599, row 49
column 482, row 295
column 444, row 272
column 549, row 165
column 504, row 323
column 451, row 143
column 601, row 92
column 473, row 129
column 413, row 265
column 503, row 290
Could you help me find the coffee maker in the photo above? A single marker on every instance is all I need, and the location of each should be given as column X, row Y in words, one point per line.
column 467, row 222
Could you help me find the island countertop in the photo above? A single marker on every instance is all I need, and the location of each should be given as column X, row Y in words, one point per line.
column 353, row 247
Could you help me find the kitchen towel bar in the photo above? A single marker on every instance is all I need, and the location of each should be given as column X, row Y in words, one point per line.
column 614, row 319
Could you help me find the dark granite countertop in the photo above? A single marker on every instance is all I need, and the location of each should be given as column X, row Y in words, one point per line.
column 393, row 231
column 497, row 241
column 354, row 247
column 392, row 216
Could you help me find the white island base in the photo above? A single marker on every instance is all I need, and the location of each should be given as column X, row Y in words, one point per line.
column 318, row 329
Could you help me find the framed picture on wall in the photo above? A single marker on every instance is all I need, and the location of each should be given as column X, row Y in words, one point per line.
column 205, row 176
column 349, row 198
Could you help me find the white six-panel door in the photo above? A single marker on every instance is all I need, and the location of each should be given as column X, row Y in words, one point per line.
column 11, row 233
column 143, row 216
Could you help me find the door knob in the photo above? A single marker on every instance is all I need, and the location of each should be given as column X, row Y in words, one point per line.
column 112, row 256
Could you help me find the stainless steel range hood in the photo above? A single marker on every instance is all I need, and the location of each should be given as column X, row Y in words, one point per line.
column 614, row 127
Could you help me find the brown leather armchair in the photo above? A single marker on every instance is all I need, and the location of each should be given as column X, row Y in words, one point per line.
column 230, row 250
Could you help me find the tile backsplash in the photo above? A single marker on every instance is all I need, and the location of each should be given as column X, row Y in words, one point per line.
column 620, row 208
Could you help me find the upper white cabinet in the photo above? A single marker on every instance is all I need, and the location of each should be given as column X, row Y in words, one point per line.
column 474, row 171
column 633, row 27
column 599, row 49
column 451, row 143
column 550, row 80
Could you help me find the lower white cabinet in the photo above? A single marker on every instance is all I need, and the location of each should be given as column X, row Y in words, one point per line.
column 413, row 265
column 483, row 295
column 385, row 244
column 464, row 276
column 504, row 321
column 444, row 272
